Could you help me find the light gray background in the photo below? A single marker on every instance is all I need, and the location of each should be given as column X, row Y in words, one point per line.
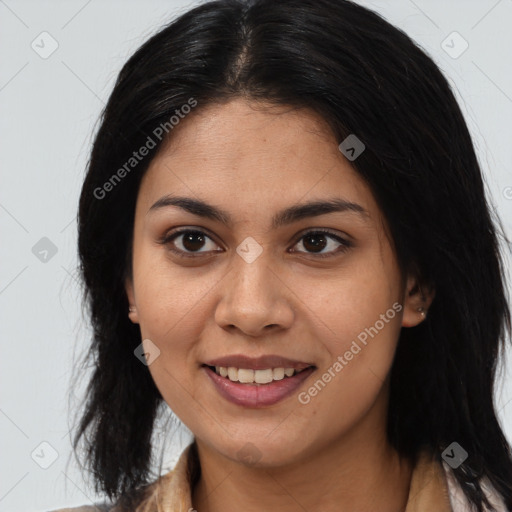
column 49, row 107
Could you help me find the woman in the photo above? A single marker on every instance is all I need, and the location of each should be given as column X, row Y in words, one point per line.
column 284, row 238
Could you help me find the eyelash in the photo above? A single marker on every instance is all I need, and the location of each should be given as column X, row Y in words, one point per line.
column 170, row 237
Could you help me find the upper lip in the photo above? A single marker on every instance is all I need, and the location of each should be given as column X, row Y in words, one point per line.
column 257, row 363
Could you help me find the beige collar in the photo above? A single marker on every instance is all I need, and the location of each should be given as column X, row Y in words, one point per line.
column 172, row 492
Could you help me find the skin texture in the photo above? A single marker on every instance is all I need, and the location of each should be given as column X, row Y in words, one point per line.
column 253, row 160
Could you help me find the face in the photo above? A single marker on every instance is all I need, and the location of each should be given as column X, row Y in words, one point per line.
column 307, row 301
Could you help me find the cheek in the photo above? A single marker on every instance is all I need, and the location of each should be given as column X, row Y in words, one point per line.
column 352, row 380
column 353, row 304
column 174, row 307
column 357, row 318
column 169, row 298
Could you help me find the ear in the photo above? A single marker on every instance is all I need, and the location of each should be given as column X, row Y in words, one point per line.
column 132, row 313
column 417, row 301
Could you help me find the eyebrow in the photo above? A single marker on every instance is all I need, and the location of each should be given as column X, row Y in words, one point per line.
column 282, row 218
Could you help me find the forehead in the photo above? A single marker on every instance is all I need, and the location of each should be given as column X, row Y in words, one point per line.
column 256, row 156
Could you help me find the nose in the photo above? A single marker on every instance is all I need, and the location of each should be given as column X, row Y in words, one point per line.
column 255, row 300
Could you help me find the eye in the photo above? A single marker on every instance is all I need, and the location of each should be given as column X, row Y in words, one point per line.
column 189, row 243
column 320, row 239
column 186, row 242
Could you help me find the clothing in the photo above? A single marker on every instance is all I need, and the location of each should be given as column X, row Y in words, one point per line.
column 433, row 489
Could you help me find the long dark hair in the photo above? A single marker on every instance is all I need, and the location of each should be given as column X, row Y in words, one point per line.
column 364, row 77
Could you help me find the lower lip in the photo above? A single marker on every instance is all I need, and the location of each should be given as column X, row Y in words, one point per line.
column 257, row 395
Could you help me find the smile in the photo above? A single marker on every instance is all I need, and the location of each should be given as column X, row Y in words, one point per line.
column 267, row 381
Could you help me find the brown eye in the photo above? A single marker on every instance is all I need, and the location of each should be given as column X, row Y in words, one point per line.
column 314, row 242
column 192, row 241
column 188, row 241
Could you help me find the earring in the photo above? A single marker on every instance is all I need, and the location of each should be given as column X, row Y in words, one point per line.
column 422, row 312
column 131, row 309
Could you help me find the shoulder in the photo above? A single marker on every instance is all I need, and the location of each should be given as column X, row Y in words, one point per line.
column 99, row 507
column 172, row 489
column 458, row 499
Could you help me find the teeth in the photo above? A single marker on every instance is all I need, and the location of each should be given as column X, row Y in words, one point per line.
column 248, row 376
column 245, row 375
column 278, row 373
column 233, row 374
column 263, row 376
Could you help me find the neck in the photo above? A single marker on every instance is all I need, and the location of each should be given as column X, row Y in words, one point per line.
column 357, row 472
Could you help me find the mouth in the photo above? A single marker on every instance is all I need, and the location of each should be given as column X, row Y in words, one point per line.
column 256, row 382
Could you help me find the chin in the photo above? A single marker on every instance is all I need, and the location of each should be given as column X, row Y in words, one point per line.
column 261, row 451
